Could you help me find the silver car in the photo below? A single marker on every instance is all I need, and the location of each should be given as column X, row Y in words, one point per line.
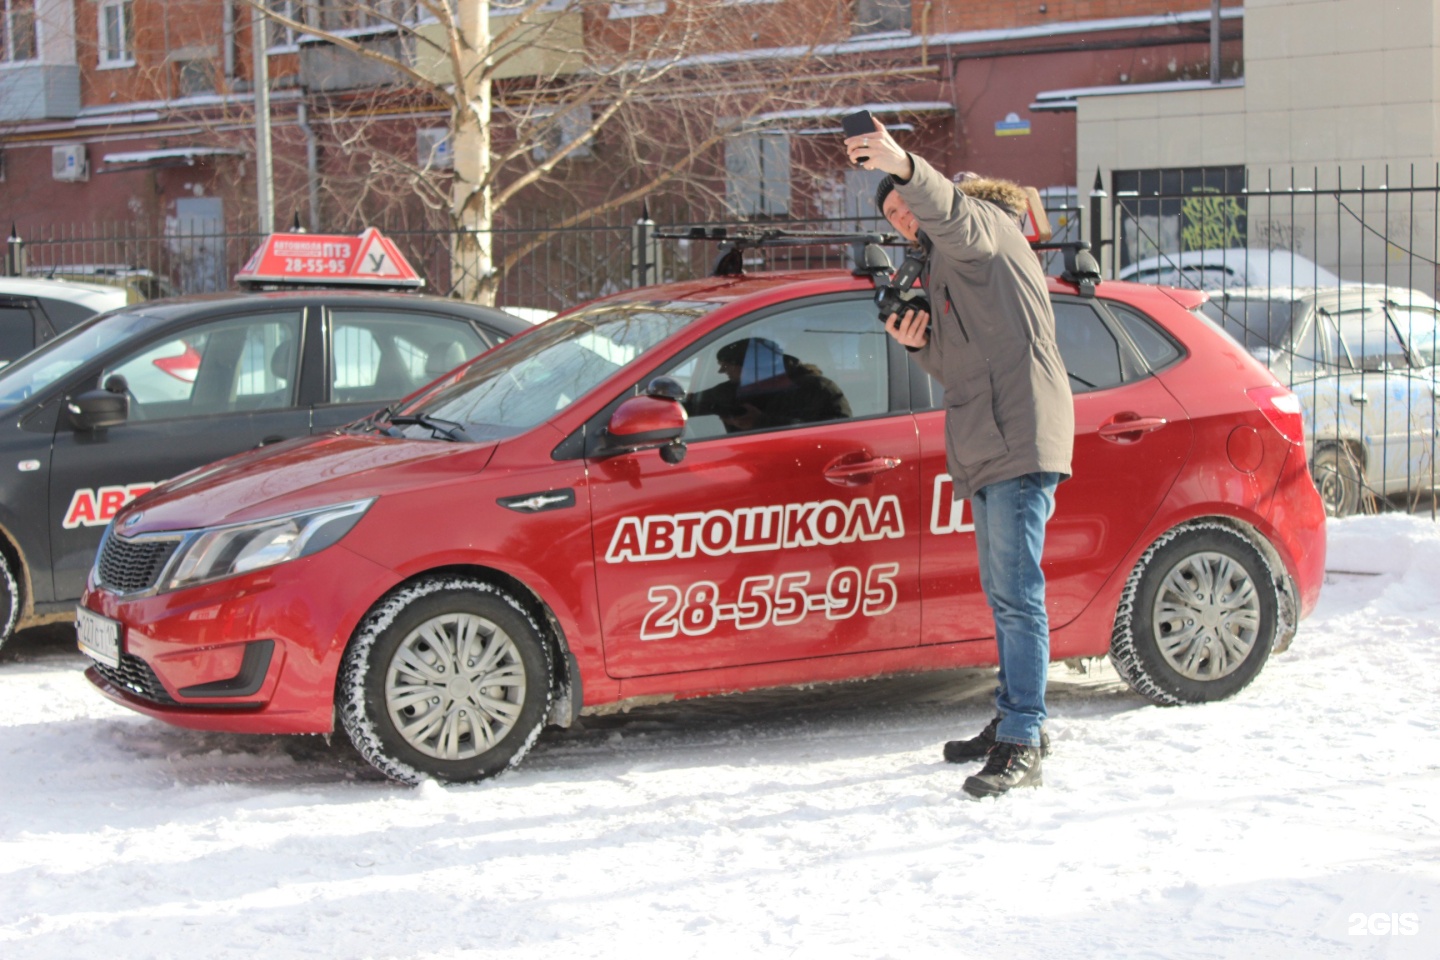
column 1362, row 360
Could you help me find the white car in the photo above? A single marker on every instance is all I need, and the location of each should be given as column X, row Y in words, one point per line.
column 1223, row 269
column 32, row 311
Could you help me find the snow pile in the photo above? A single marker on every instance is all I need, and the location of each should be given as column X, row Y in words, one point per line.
column 1295, row 820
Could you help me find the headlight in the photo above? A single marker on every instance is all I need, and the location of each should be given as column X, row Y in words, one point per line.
column 227, row 551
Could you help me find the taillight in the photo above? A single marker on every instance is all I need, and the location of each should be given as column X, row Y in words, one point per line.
column 1282, row 409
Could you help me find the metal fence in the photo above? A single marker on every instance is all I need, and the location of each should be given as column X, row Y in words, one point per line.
column 1362, row 359
column 1331, row 282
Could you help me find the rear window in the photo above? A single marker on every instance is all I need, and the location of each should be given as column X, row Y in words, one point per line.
column 1155, row 347
column 1255, row 324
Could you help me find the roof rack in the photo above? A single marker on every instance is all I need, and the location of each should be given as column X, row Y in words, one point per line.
column 1081, row 267
column 734, row 241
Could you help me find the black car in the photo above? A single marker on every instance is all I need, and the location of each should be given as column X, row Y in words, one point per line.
column 128, row 399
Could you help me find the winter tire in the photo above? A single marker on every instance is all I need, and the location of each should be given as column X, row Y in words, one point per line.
column 447, row 677
column 1198, row 616
column 10, row 602
column 1339, row 479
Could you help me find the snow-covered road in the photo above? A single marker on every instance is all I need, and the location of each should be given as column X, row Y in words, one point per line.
column 1298, row 820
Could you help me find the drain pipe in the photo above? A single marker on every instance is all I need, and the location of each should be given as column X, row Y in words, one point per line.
column 228, row 27
column 1214, row 41
column 312, row 165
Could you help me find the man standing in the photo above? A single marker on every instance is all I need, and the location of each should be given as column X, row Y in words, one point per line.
column 1009, row 419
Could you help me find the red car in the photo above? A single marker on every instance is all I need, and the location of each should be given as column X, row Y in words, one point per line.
column 700, row 488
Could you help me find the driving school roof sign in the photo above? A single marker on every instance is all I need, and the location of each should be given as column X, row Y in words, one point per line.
column 369, row 260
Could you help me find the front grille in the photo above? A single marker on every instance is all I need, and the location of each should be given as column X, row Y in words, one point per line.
column 133, row 566
column 135, row 675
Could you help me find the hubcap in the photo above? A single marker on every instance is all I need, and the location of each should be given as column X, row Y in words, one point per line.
column 1207, row 616
column 455, row 686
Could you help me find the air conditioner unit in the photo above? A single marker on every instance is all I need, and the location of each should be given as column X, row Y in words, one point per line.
column 433, row 148
column 69, row 163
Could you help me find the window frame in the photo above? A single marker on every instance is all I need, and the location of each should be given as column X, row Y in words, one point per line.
column 10, row 11
column 108, row 58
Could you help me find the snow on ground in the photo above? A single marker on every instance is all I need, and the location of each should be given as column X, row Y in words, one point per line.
column 1297, row 820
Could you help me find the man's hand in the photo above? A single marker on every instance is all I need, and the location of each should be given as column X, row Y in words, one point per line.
column 748, row 418
column 884, row 153
column 911, row 330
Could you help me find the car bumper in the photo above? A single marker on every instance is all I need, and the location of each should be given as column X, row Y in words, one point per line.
column 251, row 654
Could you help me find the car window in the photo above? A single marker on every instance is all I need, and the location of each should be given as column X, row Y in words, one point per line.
column 17, row 332
column 810, row 364
column 1418, row 328
column 1155, row 346
column 1260, row 324
column 1090, row 350
column 63, row 314
column 378, row 355
column 1367, row 340
column 530, row 378
column 226, row 366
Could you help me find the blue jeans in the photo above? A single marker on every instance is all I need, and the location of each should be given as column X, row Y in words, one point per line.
column 1010, row 518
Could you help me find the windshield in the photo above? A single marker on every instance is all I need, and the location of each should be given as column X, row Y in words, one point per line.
column 1257, row 324
column 41, row 367
column 529, row 379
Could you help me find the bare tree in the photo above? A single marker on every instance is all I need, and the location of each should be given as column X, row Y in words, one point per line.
column 652, row 97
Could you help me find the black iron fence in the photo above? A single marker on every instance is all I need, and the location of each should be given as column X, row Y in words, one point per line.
column 1329, row 282
column 1329, row 279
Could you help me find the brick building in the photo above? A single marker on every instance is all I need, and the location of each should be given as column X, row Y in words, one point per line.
column 141, row 111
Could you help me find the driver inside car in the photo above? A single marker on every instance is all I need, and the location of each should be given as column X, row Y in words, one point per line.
column 766, row 387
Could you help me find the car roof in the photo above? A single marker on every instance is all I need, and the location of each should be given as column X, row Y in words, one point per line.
column 98, row 296
column 174, row 308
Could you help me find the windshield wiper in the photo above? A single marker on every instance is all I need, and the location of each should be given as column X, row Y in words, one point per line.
column 448, row 429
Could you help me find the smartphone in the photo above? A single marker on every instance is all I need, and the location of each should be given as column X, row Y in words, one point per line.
column 858, row 124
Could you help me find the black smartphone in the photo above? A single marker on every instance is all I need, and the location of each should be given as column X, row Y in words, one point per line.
column 858, row 124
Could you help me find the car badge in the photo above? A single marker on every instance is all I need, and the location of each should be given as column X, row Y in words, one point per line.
column 134, row 518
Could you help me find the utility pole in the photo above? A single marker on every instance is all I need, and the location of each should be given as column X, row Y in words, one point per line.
column 264, row 169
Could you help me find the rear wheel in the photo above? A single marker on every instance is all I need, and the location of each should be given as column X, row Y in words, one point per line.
column 1198, row 616
column 1339, row 479
column 448, row 677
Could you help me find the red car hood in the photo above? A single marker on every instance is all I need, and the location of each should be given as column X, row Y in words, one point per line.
column 299, row 475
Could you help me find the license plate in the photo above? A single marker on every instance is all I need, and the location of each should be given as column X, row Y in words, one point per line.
column 99, row 637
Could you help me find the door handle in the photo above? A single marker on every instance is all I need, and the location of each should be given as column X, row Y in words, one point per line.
column 1358, row 398
column 1117, row 430
column 850, row 473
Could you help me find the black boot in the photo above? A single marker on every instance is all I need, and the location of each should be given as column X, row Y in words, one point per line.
column 978, row 746
column 1008, row 765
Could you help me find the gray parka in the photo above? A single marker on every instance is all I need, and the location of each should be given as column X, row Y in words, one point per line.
column 1008, row 408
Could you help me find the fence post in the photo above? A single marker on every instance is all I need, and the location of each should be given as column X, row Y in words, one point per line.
column 14, row 254
column 644, row 252
column 1097, row 232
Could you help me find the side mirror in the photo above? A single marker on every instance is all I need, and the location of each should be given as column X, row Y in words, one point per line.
column 654, row 421
column 98, row 409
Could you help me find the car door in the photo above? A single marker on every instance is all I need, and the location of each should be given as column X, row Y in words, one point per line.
column 377, row 354
column 211, row 389
column 1131, row 439
column 1375, row 383
column 791, row 528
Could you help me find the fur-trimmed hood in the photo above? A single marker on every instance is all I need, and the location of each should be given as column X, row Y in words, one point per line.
column 1002, row 193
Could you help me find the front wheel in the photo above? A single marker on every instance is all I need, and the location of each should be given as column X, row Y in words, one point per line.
column 1198, row 616
column 10, row 601
column 448, row 677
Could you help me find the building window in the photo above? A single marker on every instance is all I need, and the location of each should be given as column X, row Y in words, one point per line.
column 757, row 174
column 17, row 31
column 195, row 77
column 374, row 16
column 283, row 37
column 117, row 33
column 881, row 16
column 1169, row 211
